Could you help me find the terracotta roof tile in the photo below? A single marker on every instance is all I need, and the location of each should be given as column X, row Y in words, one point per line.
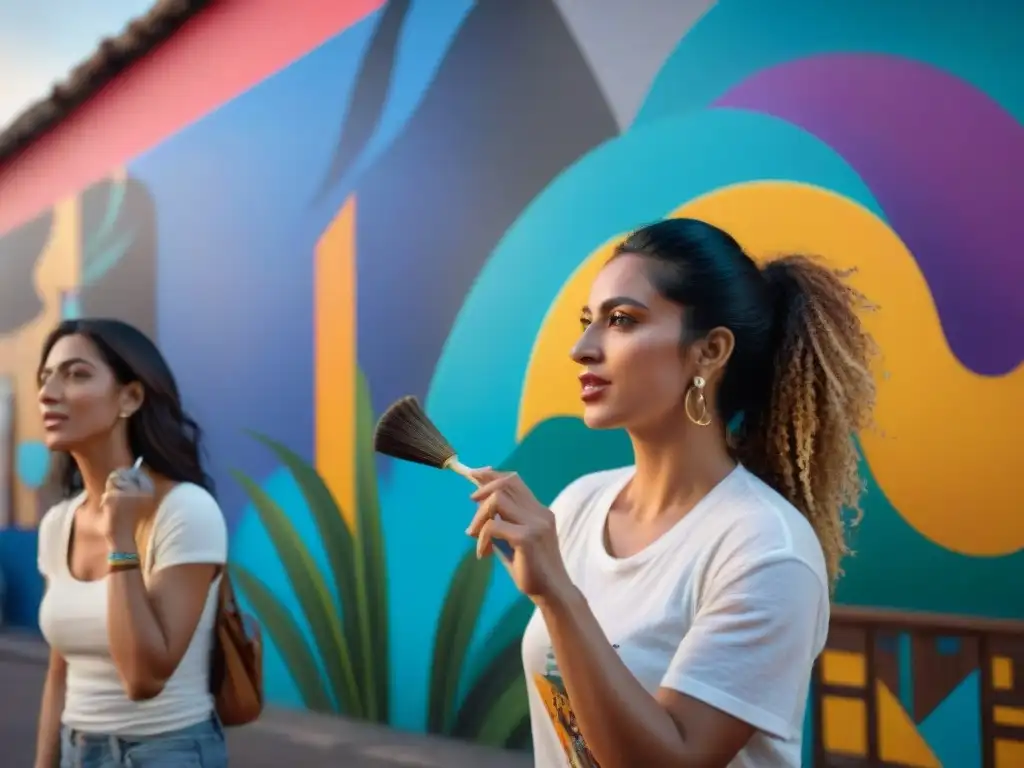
column 111, row 58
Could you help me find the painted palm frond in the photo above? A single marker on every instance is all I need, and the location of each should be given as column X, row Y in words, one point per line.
column 479, row 697
column 495, row 710
column 455, row 627
column 313, row 595
column 371, row 564
column 339, row 544
column 507, row 632
column 350, row 635
column 283, row 630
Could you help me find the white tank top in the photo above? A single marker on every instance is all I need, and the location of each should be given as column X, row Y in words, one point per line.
column 189, row 528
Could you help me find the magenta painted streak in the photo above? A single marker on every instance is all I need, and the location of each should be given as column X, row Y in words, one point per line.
column 945, row 162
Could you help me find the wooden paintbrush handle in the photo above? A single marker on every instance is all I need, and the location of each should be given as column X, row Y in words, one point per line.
column 505, row 550
column 467, row 472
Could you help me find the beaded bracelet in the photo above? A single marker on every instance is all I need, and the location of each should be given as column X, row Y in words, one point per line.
column 122, row 561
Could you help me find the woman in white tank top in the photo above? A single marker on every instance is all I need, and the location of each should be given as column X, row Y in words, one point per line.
column 681, row 602
column 131, row 557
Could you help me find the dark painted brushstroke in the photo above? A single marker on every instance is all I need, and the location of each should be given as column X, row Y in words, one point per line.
column 513, row 104
column 522, row 737
column 127, row 290
column 369, row 94
column 20, row 251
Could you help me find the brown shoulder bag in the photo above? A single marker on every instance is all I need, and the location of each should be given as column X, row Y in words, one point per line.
column 236, row 668
column 236, row 662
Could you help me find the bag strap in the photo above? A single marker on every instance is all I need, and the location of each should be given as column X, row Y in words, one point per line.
column 226, row 600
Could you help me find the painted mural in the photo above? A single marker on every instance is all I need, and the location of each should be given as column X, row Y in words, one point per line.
column 418, row 207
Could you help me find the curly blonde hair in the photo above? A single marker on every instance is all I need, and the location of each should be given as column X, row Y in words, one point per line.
column 800, row 373
column 823, row 393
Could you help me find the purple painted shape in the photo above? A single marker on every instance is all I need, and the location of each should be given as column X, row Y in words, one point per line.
column 945, row 162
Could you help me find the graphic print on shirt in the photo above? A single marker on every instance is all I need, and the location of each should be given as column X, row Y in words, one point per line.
column 563, row 719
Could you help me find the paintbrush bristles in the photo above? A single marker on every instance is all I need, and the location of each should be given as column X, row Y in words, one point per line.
column 404, row 431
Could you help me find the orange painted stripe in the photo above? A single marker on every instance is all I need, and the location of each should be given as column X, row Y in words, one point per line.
column 335, row 346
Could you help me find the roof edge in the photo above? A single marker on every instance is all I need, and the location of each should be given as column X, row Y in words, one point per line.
column 112, row 57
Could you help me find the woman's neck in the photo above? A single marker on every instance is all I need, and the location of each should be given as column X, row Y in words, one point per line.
column 95, row 465
column 676, row 467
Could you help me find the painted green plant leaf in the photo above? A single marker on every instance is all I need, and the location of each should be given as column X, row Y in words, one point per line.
column 522, row 737
column 371, row 565
column 455, row 627
column 353, row 646
column 283, row 630
column 507, row 630
column 313, row 595
column 506, row 715
column 337, row 542
column 495, row 705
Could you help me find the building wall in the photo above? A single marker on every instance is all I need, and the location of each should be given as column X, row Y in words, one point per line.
column 417, row 205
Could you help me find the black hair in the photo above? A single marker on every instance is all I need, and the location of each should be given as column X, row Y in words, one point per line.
column 160, row 431
column 798, row 384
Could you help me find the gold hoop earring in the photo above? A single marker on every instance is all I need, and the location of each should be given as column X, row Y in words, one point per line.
column 703, row 417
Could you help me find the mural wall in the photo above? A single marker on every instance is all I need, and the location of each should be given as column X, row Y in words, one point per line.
column 418, row 207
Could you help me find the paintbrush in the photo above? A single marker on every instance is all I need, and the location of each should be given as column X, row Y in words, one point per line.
column 404, row 431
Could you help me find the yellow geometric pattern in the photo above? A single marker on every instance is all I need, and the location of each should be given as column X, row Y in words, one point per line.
column 844, row 718
column 1008, row 754
column 845, row 726
column 844, row 668
column 898, row 738
column 1002, row 673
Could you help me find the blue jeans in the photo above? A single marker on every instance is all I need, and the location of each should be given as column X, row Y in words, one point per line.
column 197, row 746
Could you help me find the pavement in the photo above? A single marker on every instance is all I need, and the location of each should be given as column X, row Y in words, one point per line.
column 278, row 738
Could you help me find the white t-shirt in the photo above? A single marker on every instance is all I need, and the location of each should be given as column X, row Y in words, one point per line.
column 189, row 528
column 730, row 606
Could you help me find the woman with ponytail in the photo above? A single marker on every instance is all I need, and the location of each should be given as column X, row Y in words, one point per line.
column 682, row 601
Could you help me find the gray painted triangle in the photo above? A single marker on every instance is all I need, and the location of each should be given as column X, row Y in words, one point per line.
column 625, row 42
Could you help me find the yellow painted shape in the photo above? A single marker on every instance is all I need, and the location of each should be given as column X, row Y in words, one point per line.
column 1002, row 673
column 58, row 271
column 335, row 344
column 898, row 738
column 844, row 668
column 844, row 726
column 1008, row 753
column 550, row 387
column 944, row 433
column 1012, row 716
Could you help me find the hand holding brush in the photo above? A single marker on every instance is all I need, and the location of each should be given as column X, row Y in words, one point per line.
column 510, row 515
column 404, row 431
column 509, row 518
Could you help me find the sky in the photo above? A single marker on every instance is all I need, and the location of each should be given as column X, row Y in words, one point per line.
column 42, row 40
